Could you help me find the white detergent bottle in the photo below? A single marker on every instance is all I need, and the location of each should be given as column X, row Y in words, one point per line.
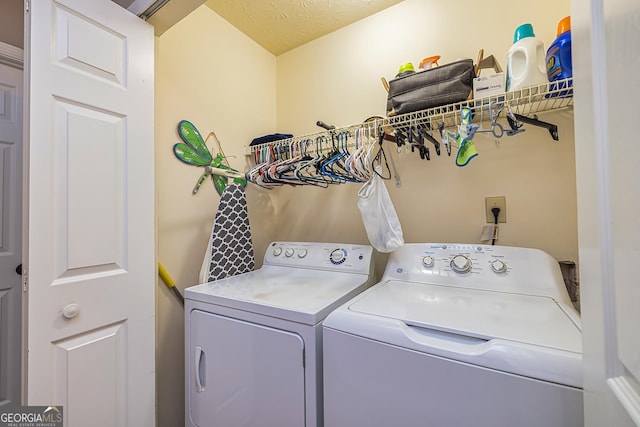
column 526, row 65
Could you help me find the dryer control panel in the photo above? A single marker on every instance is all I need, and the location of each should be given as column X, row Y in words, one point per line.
column 322, row 256
column 499, row 268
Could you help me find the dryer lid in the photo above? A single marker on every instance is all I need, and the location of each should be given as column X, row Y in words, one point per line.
column 475, row 313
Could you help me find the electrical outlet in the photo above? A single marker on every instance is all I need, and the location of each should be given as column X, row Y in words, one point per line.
column 496, row 202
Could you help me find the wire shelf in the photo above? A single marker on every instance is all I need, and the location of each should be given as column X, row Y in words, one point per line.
column 526, row 101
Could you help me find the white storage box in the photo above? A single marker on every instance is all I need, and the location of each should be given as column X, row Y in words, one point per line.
column 491, row 85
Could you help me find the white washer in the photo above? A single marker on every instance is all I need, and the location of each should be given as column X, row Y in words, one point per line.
column 254, row 341
column 456, row 335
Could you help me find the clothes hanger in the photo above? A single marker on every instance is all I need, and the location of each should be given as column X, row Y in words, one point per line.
column 496, row 128
column 425, row 132
column 377, row 163
column 553, row 129
column 285, row 171
column 335, row 167
column 323, row 158
column 306, row 169
column 444, row 136
column 363, row 157
column 422, row 149
column 257, row 173
column 340, row 166
column 279, row 171
column 354, row 160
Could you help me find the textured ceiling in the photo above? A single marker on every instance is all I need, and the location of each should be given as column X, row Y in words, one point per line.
column 282, row 25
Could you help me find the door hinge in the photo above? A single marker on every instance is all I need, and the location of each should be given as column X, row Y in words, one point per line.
column 27, row 5
column 25, row 281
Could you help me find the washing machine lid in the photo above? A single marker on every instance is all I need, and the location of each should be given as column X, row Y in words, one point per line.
column 487, row 315
column 294, row 294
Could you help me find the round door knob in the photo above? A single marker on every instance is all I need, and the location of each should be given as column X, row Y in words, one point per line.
column 19, row 269
column 428, row 261
column 71, row 310
column 498, row 266
column 461, row 264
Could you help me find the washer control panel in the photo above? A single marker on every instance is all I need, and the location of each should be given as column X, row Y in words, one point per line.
column 463, row 259
column 503, row 268
column 325, row 256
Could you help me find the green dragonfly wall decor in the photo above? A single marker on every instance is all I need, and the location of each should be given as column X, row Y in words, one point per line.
column 194, row 151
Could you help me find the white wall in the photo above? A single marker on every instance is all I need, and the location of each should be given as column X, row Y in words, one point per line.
column 337, row 79
column 209, row 73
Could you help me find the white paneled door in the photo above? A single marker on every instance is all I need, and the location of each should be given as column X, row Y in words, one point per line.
column 90, row 261
column 606, row 36
column 10, row 232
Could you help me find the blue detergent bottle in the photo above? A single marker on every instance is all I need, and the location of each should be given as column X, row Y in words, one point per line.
column 559, row 54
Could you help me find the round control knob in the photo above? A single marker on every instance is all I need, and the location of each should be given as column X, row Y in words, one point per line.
column 302, row 253
column 338, row 256
column 289, row 252
column 498, row 266
column 277, row 251
column 428, row 261
column 461, row 264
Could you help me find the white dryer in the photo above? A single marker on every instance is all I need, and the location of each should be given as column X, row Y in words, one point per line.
column 254, row 341
column 456, row 335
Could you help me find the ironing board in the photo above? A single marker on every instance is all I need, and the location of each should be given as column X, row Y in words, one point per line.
column 230, row 248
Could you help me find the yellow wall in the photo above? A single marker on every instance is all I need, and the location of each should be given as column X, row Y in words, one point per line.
column 209, row 73
column 337, row 79
column 12, row 22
